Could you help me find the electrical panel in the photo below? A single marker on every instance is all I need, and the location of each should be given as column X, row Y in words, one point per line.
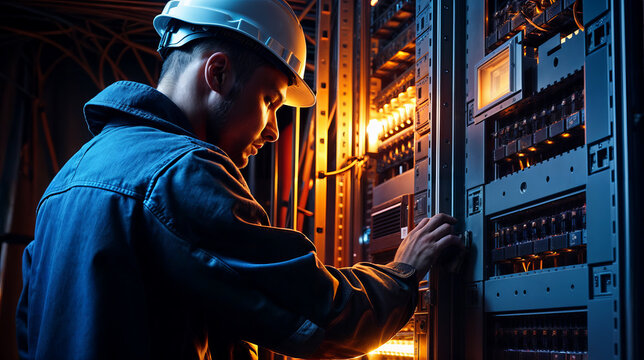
column 539, row 187
column 506, row 119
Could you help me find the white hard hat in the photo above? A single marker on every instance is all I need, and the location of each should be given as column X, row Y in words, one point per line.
column 272, row 23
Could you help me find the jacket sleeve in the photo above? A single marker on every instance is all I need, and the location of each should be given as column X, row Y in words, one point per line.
column 219, row 248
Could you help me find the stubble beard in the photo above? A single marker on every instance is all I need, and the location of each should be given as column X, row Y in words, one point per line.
column 218, row 119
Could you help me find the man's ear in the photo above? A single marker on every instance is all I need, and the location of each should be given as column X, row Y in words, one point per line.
column 217, row 73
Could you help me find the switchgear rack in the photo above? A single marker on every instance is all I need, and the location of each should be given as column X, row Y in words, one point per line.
column 512, row 115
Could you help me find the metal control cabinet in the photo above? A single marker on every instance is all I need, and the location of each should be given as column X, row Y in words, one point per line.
column 511, row 115
column 540, row 189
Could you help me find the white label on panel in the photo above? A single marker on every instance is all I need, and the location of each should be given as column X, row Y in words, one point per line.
column 423, row 21
column 422, row 115
column 422, row 90
column 422, row 66
column 422, row 44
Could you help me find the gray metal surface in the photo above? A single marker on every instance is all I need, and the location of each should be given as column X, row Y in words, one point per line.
column 594, row 8
column 601, row 333
column 545, row 289
column 559, row 58
column 599, row 218
column 598, row 112
column 475, row 155
column 555, row 176
column 399, row 185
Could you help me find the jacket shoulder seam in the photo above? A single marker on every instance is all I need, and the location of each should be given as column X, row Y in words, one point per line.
column 91, row 184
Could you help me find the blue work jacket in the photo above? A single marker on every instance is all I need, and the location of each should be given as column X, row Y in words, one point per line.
column 148, row 244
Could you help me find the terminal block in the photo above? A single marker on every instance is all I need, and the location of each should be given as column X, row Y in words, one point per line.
column 539, row 239
column 396, row 156
column 544, row 336
column 538, row 133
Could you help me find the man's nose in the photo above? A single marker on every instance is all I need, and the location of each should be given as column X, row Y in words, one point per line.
column 271, row 133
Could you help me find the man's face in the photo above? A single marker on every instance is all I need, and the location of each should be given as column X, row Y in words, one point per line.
column 250, row 121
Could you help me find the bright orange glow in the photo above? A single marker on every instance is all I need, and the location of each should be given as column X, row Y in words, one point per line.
column 520, row 154
column 399, row 348
column 549, row 142
column 532, row 148
column 494, row 79
column 398, row 112
column 374, row 128
column 396, row 115
column 401, row 53
column 402, row 112
column 374, row 2
column 565, row 135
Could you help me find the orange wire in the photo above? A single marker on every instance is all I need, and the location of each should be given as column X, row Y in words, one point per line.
column 532, row 22
column 574, row 16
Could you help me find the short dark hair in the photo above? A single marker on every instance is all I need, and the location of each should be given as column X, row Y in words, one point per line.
column 242, row 57
column 246, row 55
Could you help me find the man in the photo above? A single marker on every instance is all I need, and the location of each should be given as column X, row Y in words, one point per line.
column 148, row 243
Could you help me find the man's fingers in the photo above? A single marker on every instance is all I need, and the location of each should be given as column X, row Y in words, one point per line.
column 421, row 225
column 439, row 219
column 440, row 232
column 447, row 241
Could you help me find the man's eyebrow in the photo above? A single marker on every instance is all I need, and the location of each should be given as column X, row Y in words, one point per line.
column 280, row 96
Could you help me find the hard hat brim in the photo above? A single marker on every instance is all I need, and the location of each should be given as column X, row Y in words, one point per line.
column 299, row 94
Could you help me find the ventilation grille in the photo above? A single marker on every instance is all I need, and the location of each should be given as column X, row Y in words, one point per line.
column 386, row 222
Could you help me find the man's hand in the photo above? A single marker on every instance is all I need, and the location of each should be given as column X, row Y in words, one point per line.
column 424, row 244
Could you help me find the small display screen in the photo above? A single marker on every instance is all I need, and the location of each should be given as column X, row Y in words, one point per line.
column 494, row 79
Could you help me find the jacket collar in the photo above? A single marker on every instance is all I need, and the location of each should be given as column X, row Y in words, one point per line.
column 134, row 102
